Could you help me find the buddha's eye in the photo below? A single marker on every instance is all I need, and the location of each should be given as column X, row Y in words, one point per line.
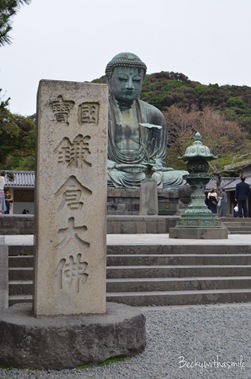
column 137, row 78
column 123, row 78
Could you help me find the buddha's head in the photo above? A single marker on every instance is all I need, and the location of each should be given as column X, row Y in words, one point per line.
column 125, row 74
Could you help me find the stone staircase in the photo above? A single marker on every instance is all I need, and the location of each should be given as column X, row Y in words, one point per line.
column 158, row 275
column 20, row 274
column 237, row 225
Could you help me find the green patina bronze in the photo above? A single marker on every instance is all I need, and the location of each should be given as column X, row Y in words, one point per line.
column 197, row 213
column 137, row 131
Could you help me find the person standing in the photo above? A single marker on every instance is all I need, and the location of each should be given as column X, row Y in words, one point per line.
column 242, row 192
column 2, row 195
column 8, row 201
column 223, row 203
column 212, row 198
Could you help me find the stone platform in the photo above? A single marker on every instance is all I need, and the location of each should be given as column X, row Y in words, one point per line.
column 69, row 341
column 199, row 233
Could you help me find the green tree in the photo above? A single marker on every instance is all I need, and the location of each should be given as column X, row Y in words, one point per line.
column 3, row 103
column 17, row 133
column 8, row 9
column 17, row 137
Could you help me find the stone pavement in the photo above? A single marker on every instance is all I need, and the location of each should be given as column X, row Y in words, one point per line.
column 163, row 239
column 146, row 239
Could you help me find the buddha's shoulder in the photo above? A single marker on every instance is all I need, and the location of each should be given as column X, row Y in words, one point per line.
column 149, row 107
column 152, row 112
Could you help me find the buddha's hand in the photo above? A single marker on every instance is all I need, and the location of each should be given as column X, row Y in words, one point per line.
column 130, row 167
column 161, row 168
column 111, row 164
column 158, row 166
column 167, row 169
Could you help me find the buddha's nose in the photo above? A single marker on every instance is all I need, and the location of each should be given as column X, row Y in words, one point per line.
column 129, row 84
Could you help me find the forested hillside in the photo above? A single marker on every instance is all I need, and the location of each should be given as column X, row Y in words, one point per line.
column 169, row 88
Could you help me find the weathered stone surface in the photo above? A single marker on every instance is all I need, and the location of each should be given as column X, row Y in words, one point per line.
column 130, row 198
column 119, row 224
column 17, row 224
column 4, row 279
column 148, row 197
column 199, row 233
column 69, row 341
column 71, row 197
column 114, row 223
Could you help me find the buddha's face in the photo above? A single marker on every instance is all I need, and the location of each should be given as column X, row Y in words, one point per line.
column 125, row 84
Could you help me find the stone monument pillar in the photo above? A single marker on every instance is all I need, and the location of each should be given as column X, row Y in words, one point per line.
column 71, row 199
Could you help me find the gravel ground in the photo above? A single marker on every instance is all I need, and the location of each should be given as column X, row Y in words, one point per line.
column 190, row 342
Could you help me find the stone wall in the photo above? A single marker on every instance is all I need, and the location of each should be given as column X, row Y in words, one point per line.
column 116, row 224
column 17, row 224
column 124, row 201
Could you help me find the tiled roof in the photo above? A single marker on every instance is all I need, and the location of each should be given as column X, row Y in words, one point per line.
column 22, row 179
column 225, row 183
column 26, row 179
column 232, row 185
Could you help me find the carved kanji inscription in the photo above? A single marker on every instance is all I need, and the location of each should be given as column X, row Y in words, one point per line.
column 71, row 272
column 72, row 194
column 88, row 113
column 61, row 109
column 72, row 232
column 75, row 153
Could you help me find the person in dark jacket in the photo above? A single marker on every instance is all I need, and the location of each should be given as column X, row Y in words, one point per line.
column 242, row 192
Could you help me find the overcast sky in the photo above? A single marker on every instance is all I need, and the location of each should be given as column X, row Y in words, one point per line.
column 207, row 40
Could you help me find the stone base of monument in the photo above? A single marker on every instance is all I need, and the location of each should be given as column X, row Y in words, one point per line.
column 198, row 233
column 69, row 341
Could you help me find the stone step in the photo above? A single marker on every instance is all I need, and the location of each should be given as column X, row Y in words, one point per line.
column 178, row 249
column 20, row 287
column 180, row 271
column 238, row 226
column 151, row 271
column 153, row 259
column 178, row 259
column 177, row 284
column 237, row 231
column 164, row 298
column 21, row 250
column 16, row 299
column 25, row 287
column 235, row 226
column 237, row 221
column 20, row 273
column 21, row 261
column 153, row 249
